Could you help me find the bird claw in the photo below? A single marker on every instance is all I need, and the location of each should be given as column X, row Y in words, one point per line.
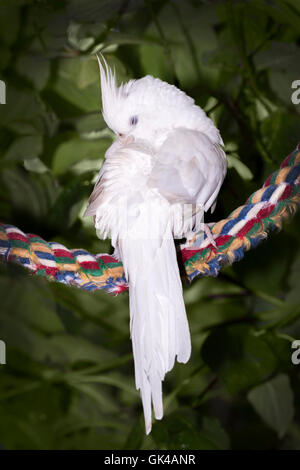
column 190, row 236
column 209, row 235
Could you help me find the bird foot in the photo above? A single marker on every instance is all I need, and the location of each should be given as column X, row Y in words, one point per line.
column 206, row 229
column 209, row 234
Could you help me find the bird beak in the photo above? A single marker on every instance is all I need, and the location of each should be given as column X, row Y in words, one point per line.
column 126, row 139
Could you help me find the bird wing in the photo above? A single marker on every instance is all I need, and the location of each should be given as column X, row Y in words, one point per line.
column 189, row 168
column 95, row 197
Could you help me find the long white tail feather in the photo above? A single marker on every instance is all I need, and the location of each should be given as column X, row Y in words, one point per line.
column 158, row 322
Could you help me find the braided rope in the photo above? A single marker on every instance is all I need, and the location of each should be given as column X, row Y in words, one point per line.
column 244, row 228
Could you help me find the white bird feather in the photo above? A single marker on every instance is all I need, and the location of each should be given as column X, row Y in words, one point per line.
column 168, row 157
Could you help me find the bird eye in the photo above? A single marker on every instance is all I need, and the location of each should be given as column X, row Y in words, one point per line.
column 133, row 120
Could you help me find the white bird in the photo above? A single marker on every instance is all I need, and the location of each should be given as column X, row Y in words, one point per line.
column 163, row 171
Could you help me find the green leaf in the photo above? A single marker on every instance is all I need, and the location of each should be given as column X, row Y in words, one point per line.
column 70, row 349
column 26, row 298
column 99, row 396
column 177, row 431
column 154, row 61
column 282, row 61
column 28, row 421
column 5, row 57
column 75, row 37
column 135, row 436
column 65, row 210
column 76, row 150
column 9, row 29
column 35, row 165
column 281, row 133
column 30, row 193
column 35, row 68
column 88, row 72
column 239, row 166
column 214, row 433
column 293, row 281
column 111, row 379
column 66, row 85
column 26, row 113
column 77, row 80
column 261, row 271
column 90, row 124
column 273, row 401
column 89, row 10
column 25, row 148
column 186, row 35
column 238, row 357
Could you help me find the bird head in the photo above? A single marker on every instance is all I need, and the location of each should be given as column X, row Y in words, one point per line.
column 141, row 110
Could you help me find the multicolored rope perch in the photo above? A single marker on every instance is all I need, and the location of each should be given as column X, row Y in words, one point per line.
column 244, row 228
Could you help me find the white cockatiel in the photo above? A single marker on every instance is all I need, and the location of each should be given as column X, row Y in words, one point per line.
column 161, row 174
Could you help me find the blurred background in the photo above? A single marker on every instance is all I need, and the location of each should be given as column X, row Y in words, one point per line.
column 69, row 378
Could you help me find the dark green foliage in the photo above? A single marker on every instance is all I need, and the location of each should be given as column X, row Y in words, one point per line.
column 69, row 379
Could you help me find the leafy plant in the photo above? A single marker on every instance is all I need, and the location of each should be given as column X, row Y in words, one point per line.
column 69, row 380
